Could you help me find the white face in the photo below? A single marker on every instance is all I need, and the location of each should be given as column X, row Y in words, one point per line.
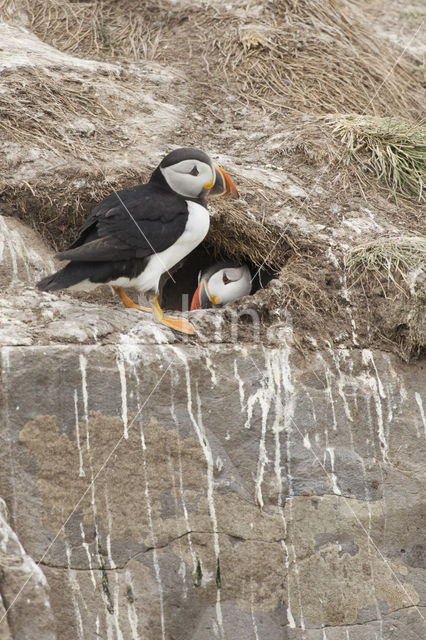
column 230, row 283
column 189, row 178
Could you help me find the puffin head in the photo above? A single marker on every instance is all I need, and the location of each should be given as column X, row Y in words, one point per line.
column 192, row 174
column 221, row 283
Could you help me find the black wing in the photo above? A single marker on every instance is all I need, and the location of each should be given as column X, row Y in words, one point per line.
column 131, row 223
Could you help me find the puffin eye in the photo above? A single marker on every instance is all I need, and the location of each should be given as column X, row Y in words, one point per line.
column 194, row 171
column 225, row 279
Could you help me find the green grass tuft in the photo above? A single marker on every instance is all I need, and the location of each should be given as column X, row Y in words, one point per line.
column 391, row 149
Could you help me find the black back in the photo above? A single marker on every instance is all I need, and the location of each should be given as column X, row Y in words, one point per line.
column 131, row 223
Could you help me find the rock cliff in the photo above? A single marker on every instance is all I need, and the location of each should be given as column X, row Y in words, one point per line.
column 264, row 479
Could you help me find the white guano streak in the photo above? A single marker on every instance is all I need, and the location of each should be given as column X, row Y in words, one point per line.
column 122, row 372
column 328, row 376
column 182, row 568
column 290, row 617
column 336, row 489
column 422, row 413
column 341, row 380
column 108, row 537
column 367, row 357
column 263, row 396
column 253, row 617
column 240, row 384
column 277, row 389
column 289, row 408
column 345, row 294
column 85, row 394
column 154, row 541
column 131, row 355
column 205, row 446
column 181, row 490
column 377, row 393
column 89, row 557
column 75, row 588
column 83, row 368
column 81, row 472
column 210, row 367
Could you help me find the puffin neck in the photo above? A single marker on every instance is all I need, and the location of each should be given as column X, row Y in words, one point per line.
column 158, row 179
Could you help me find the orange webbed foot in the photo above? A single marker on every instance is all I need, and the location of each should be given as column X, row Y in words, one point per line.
column 128, row 302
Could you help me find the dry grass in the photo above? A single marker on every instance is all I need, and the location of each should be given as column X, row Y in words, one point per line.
column 393, row 150
column 317, row 57
column 101, row 28
column 388, row 264
column 306, row 55
column 234, row 231
column 360, row 150
column 57, row 206
column 63, row 113
column 302, row 292
column 415, row 340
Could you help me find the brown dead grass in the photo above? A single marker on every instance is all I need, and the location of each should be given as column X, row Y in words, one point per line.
column 388, row 263
column 101, row 28
column 322, row 57
column 235, row 231
column 64, row 113
column 57, row 213
column 304, row 292
column 304, row 55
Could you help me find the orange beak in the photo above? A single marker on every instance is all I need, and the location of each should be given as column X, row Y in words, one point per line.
column 224, row 185
column 200, row 299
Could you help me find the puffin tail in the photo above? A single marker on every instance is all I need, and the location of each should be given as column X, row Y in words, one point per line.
column 62, row 279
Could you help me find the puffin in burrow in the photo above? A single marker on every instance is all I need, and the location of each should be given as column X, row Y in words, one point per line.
column 221, row 283
column 136, row 235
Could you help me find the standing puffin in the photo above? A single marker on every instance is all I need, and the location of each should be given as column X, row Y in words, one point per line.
column 221, row 283
column 135, row 235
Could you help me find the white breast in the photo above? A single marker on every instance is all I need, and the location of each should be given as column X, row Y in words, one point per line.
column 196, row 230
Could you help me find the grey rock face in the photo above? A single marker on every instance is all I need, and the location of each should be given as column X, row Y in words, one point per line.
column 25, row 610
column 181, row 491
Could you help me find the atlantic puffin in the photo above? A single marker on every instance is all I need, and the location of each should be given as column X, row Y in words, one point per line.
column 135, row 235
column 221, row 283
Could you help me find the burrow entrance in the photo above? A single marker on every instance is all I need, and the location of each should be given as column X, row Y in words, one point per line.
column 177, row 294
